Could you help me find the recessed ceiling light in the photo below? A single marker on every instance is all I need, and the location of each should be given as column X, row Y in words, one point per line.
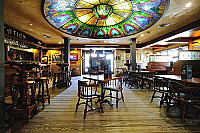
column 163, row 25
column 59, row 42
column 142, row 34
column 188, row 4
column 138, row 42
column 46, row 36
column 30, row 24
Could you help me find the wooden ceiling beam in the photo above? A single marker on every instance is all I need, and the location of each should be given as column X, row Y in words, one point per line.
column 170, row 47
column 172, row 33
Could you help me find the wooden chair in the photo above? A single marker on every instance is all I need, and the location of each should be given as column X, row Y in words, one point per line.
column 148, row 80
column 114, row 85
column 133, row 80
column 88, row 92
column 184, row 96
column 160, row 86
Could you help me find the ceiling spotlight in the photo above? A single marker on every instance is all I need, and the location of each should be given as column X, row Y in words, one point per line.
column 46, row 36
column 142, row 34
column 163, row 25
column 30, row 24
column 188, row 4
column 59, row 42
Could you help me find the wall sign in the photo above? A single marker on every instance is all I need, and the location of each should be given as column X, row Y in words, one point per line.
column 15, row 43
column 8, row 30
column 189, row 55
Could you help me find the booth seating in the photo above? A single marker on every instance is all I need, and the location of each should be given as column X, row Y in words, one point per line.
column 176, row 69
column 159, row 67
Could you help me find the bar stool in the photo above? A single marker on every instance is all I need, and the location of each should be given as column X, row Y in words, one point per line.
column 68, row 78
column 42, row 97
column 25, row 103
column 64, row 78
column 57, row 80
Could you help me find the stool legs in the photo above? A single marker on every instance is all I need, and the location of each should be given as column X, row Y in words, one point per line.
column 42, row 97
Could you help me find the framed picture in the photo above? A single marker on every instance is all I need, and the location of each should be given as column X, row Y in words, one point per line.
column 73, row 56
column 57, row 58
column 45, row 59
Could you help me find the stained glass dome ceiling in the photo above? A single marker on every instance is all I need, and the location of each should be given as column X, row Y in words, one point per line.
column 103, row 18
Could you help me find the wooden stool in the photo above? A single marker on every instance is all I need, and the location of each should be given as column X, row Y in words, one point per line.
column 42, row 97
column 57, row 80
column 25, row 103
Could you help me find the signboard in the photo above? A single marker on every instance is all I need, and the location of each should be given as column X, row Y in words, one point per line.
column 189, row 55
column 8, row 30
column 159, row 58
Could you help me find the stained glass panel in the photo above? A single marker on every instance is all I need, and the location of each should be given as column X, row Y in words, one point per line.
column 103, row 18
column 81, row 12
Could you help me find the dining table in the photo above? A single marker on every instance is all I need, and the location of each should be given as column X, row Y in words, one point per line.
column 102, row 80
column 142, row 74
column 192, row 81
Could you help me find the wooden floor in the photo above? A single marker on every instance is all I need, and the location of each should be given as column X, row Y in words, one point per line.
column 137, row 114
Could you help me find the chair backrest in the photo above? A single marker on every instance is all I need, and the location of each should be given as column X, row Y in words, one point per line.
column 180, row 90
column 114, row 82
column 160, row 83
column 10, row 78
column 56, row 69
column 177, row 90
column 86, row 91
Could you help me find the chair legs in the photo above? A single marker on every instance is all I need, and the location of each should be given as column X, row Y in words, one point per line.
column 154, row 92
column 88, row 105
column 116, row 97
column 122, row 96
column 85, row 110
column 77, row 104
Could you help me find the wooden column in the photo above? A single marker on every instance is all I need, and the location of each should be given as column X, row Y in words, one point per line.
column 133, row 53
column 40, row 55
column 90, row 60
column 2, row 81
column 67, row 51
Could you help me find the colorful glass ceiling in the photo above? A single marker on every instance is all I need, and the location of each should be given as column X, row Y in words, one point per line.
column 103, row 18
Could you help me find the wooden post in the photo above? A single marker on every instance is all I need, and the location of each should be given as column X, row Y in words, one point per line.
column 133, row 54
column 90, row 59
column 67, row 51
column 2, row 81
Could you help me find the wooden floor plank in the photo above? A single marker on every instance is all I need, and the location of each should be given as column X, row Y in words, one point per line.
column 137, row 114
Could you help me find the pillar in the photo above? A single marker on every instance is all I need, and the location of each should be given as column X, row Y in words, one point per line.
column 67, row 51
column 90, row 59
column 133, row 53
column 2, row 52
